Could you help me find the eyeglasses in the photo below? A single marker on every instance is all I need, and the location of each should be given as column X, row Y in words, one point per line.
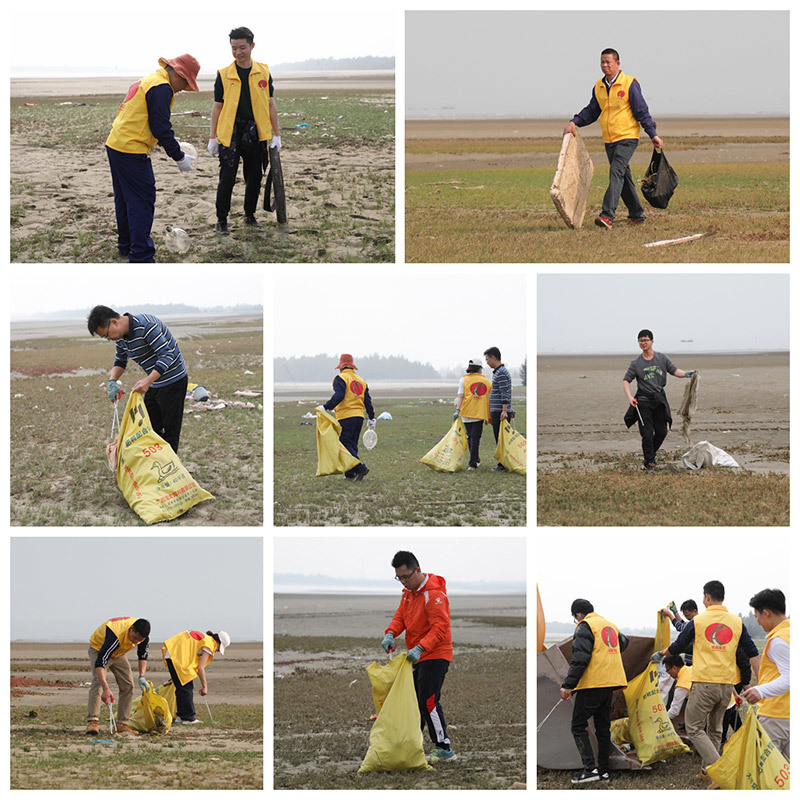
column 644, row 341
column 404, row 577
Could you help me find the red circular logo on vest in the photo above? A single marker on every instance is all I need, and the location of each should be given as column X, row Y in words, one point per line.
column 356, row 387
column 132, row 89
column 620, row 93
column 262, row 84
column 478, row 389
column 609, row 636
column 197, row 636
column 719, row 633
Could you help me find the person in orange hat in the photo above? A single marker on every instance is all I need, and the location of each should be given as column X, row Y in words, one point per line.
column 142, row 121
column 350, row 400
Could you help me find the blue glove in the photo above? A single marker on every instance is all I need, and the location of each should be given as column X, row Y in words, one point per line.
column 413, row 654
column 455, row 415
column 690, row 372
column 657, row 658
column 113, row 390
column 143, row 684
column 388, row 643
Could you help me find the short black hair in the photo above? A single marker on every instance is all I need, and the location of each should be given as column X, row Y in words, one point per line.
column 402, row 558
column 673, row 661
column 715, row 590
column 580, row 606
column 473, row 368
column 242, row 33
column 99, row 317
column 142, row 627
column 688, row 605
column 644, row 332
column 610, row 51
column 773, row 599
column 494, row 352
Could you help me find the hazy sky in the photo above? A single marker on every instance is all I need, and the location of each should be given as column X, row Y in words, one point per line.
column 603, row 313
column 628, row 576
column 131, row 39
column 63, row 588
column 477, row 64
column 459, row 558
column 439, row 319
column 45, row 288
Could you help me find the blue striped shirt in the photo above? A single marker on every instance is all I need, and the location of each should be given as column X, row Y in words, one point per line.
column 151, row 345
column 501, row 389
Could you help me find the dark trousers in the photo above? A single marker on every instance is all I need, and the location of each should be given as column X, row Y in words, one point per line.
column 428, row 680
column 165, row 408
column 620, row 180
column 184, row 695
column 351, row 430
column 593, row 703
column 134, row 203
column 244, row 145
column 474, row 431
column 654, row 430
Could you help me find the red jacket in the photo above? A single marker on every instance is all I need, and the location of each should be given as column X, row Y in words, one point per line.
column 425, row 617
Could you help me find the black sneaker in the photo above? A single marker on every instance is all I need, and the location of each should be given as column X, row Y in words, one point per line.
column 250, row 219
column 604, row 776
column 361, row 475
column 586, row 776
column 499, row 468
column 222, row 227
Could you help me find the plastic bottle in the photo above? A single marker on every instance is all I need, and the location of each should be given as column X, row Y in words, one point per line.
column 176, row 239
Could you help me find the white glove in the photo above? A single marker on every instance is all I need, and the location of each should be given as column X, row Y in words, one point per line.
column 186, row 164
column 371, row 424
column 275, row 144
column 320, row 408
column 213, row 147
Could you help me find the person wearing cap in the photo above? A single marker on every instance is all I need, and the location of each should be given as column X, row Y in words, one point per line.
column 187, row 654
column 472, row 405
column 244, row 120
column 142, row 121
column 108, row 646
column 350, row 400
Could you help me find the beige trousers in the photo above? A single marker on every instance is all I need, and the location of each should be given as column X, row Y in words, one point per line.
column 704, row 711
column 120, row 668
column 777, row 729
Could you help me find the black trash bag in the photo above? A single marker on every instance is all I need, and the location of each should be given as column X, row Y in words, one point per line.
column 660, row 180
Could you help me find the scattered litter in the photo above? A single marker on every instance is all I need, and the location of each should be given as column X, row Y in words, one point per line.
column 386, row 415
column 353, row 683
column 31, row 105
column 249, row 392
column 19, row 395
column 341, row 116
column 705, row 454
column 735, row 375
column 308, row 415
column 302, row 125
column 49, row 388
column 678, row 241
column 102, row 741
column 247, row 372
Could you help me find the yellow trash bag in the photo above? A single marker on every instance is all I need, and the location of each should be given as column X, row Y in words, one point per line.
column 150, row 713
column 662, row 633
column 451, row 454
column 167, row 691
column 649, row 726
column 619, row 731
column 395, row 741
column 332, row 456
column 750, row 760
column 512, row 449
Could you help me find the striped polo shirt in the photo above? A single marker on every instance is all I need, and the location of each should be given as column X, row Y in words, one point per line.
column 501, row 389
column 151, row 345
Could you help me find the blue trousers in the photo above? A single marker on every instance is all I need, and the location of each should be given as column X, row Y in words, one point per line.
column 351, row 429
column 620, row 180
column 135, row 203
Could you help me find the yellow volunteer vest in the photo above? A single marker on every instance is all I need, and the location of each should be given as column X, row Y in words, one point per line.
column 773, row 706
column 475, row 404
column 184, row 651
column 120, row 626
column 684, row 680
column 353, row 403
column 259, row 99
column 716, row 637
column 130, row 132
column 605, row 667
column 616, row 119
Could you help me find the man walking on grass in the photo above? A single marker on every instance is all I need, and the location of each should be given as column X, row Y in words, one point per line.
column 500, row 397
column 650, row 407
column 424, row 614
column 617, row 99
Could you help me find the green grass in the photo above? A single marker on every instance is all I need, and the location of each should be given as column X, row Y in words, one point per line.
column 59, row 473
column 624, row 495
column 49, row 750
column 398, row 490
column 322, row 724
column 506, row 215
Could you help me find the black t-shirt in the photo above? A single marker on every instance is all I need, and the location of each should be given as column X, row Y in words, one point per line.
column 245, row 110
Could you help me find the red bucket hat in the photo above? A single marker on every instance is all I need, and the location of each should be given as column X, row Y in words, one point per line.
column 186, row 66
column 346, row 361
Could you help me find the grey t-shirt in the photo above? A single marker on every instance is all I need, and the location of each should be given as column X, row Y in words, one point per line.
column 651, row 376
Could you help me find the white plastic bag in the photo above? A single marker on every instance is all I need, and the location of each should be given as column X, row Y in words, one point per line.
column 705, row 454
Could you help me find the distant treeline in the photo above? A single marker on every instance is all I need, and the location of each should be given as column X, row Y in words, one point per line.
column 160, row 310
column 322, row 367
column 325, row 64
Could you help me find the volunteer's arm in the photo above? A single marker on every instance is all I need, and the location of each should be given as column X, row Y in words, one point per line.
column 582, row 646
column 339, row 389
column 586, row 116
column 159, row 101
column 201, row 673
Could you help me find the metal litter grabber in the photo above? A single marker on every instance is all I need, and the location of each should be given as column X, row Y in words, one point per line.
column 209, row 711
column 111, row 447
column 112, row 722
column 558, row 703
column 636, row 406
